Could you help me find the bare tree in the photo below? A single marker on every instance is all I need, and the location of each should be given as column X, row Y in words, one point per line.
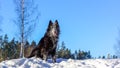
column 27, row 16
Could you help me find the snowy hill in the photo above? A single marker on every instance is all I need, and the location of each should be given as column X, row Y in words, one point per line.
column 61, row 63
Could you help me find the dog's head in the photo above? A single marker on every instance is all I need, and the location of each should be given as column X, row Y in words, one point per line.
column 53, row 29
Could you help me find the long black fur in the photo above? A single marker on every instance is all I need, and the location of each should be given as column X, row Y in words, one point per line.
column 47, row 45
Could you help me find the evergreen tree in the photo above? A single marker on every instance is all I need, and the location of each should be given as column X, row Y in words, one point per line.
column 33, row 44
column 5, row 47
column 76, row 54
column 63, row 52
column 108, row 56
column 72, row 56
column 13, row 49
column 1, row 40
column 26, row 49
column 103, row 57
column 67, row 53
column 18, row 46
column 99, row 57
column 83, row 54
column 115, row 57
column 88, row 55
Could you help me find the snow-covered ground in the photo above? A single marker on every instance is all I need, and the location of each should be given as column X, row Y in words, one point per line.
column 61, row 63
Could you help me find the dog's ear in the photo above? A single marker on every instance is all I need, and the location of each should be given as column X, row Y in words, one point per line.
column 58, row 27
column 56, row 21
column 50, row 23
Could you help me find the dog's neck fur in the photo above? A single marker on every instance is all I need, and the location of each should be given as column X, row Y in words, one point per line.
column 51, row 32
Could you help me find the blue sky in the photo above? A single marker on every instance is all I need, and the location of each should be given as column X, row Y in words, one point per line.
column 85, row 24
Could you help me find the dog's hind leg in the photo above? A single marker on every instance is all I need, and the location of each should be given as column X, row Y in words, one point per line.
column 45, row 57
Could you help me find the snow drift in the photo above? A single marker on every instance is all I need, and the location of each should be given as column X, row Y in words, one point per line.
column 61, row 63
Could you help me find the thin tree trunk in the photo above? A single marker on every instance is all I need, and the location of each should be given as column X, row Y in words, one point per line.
column 22, row 34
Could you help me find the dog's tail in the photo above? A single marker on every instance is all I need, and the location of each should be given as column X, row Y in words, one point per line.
column 34, row 52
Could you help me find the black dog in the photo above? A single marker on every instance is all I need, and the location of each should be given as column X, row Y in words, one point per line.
column 47, row 45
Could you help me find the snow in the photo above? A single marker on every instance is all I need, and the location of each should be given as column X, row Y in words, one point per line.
column 61, row 63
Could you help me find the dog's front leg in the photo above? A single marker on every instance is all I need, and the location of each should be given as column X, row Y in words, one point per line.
column 54, row 58
column 45, row 55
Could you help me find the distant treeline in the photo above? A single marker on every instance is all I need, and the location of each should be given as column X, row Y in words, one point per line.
column 11, row 50
column 63, row 52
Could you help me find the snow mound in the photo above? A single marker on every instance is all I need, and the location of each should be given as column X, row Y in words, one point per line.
column 61, row 63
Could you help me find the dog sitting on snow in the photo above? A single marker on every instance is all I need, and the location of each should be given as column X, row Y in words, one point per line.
column 48, row 44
